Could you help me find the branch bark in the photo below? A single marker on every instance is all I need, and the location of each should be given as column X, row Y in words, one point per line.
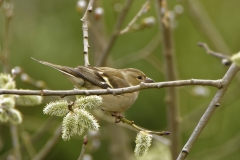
column 209, row 112
column 85, row 32
column 170, row 75
column 62, row 93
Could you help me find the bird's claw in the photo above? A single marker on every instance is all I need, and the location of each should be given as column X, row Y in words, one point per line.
column 117, row 116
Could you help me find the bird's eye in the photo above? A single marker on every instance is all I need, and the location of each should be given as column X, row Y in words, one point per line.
column 139, row 77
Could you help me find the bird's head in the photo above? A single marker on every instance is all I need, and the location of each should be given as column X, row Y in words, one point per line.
column 135, row 76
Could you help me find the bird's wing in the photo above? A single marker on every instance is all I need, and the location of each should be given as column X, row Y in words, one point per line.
column 92, row 75
column 113, row 77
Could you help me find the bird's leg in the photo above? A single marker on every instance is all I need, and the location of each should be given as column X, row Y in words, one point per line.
column 117, row 116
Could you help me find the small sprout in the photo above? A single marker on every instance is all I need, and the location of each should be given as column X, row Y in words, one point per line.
column 28, row 100
column 40, row 84
column 57, row 108
column 6, row 81
column 16, row 71
column 236, row 59
column 149, row 21
column 81, row 5
column 69, row 127
column 201, row 91
column 3, row 115
column 143, row 142
column 88, row 102
column 98, row 12
column 8, row 8
column 25, row 77
column 85, row 119
column 14, row 116
column 226, row 62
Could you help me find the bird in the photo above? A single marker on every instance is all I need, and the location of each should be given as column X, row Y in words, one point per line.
column 93, row 78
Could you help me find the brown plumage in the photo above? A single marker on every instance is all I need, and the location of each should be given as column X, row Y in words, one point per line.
column 102, row 78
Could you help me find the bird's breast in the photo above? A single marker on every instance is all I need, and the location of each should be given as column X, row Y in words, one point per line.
column 118, row 103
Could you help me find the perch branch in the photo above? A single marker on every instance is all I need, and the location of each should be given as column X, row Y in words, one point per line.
column 62, row 93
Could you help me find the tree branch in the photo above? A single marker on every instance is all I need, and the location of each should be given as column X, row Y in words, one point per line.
column 209, row 112
column 62, row 93
column 225, row 58
column 85, row 32
column 141, row 11
column 85, row 141
column 170, row 75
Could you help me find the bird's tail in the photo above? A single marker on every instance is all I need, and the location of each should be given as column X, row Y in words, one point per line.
column 64, row 69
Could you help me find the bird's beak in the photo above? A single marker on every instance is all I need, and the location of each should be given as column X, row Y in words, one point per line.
column 149, row 80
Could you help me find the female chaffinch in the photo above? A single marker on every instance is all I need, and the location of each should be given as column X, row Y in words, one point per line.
column 102, row 78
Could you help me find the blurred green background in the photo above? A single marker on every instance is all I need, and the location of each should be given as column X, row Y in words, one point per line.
column 52, row 31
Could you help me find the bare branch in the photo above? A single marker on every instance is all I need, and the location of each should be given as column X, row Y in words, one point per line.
column 85, row 32
column 209, row 112
column 213, row 83
column 211, row 52
column 170, row 75
column 141, row 11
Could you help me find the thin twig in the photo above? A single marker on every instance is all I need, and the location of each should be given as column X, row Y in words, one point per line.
column 209, row 112
column 104, row 54
column 170, row 75
column 85, row 32
column 108, row 119
column 131, row 123
column 142, row 86
column 213, row 53
column 49, row 145
column 85, row 141
column 15, row 141
column 141, row 11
